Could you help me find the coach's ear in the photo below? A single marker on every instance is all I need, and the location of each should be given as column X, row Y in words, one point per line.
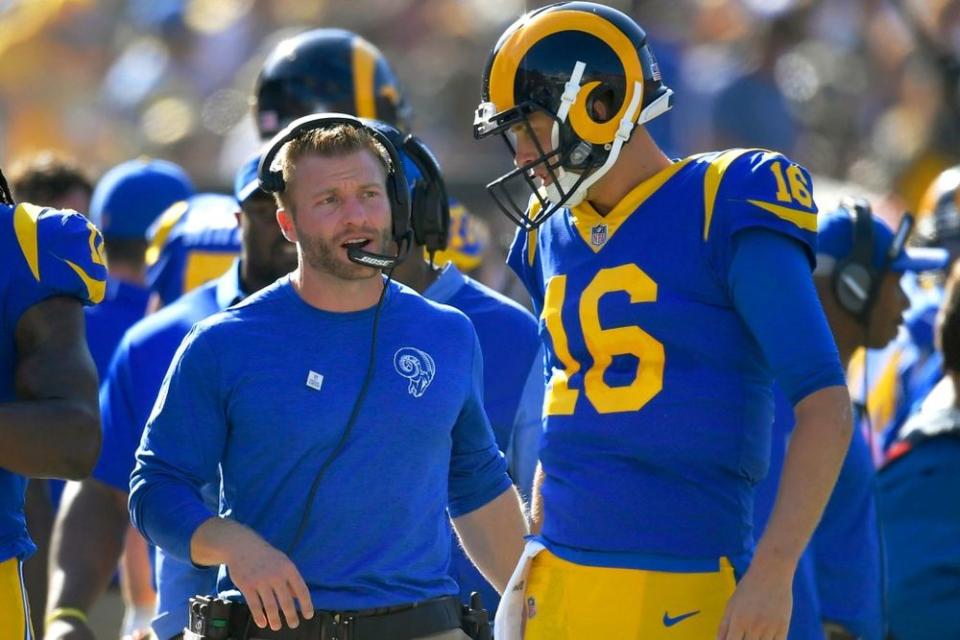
column 285, row 220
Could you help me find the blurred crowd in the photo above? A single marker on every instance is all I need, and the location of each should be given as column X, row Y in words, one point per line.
column 860, row 90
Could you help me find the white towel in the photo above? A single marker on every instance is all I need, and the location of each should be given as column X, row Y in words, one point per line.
column 510, row 615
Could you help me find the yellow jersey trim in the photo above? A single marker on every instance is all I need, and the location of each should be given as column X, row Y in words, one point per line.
column 585, row 217
column 803, row 219
column 532, row 210
column 168, row 220
column 711, row 184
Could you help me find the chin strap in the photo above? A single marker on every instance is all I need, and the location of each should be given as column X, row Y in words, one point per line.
column 576, row 193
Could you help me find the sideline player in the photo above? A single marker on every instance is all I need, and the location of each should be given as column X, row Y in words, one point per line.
column 49, row 420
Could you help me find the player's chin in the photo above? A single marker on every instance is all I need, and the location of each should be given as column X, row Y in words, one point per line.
column 882, row 337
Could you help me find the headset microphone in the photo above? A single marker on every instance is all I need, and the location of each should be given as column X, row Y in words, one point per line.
column 380, row 260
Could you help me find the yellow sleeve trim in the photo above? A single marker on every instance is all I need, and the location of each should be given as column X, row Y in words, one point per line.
column 711, row 184
column 96, row 289
column 25, row 227
column 168, row 220
column 802, row 219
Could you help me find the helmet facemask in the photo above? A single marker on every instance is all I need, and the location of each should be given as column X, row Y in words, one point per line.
column 572, row 164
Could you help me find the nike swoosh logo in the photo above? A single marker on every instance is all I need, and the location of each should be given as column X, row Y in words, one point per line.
column 669, row 622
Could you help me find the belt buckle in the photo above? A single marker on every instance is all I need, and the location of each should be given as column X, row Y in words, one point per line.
column 345, row 625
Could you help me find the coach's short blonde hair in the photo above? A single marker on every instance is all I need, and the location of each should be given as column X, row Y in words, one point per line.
column 336, row 140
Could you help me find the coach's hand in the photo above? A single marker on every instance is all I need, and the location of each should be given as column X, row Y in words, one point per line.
column 68, row 629
column 761, row 605
column 269, row 581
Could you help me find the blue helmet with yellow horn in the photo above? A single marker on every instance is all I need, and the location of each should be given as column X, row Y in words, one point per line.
column 586, row 66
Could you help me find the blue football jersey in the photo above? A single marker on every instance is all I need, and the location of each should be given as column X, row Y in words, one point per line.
column 193, row 242
column 43, row 253
column 659, row 403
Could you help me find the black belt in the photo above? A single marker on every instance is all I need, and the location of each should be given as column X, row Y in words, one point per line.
column 403, row 622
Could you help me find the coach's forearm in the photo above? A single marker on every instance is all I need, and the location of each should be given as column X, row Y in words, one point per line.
column 817, row 448
column 493, row 537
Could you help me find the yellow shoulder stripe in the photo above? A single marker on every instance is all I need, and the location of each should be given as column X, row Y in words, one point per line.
column 25, row 227
column 711, row 184
column 803, row 219
column 168, row 220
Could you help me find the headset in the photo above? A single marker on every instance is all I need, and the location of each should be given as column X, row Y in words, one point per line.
column 430, row 204
column 856, row 280
column 855, row 276
column 398, row 192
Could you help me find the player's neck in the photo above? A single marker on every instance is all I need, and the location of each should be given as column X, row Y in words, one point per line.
column 328, row 292
column 640, row 159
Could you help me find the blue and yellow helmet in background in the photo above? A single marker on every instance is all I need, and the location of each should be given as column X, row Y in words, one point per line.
column 327, row 70
column 467, row 240
column 938, row 216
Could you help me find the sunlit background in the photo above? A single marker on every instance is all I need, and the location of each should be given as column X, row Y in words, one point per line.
column 854, row 89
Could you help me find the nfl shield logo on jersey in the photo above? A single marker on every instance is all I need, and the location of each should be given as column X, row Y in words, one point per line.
column 598, row 235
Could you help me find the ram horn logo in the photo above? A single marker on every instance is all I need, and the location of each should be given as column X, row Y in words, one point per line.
column 417, row 366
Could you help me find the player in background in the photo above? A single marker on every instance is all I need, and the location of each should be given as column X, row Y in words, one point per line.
column 838, row 590
column 91, row 527
column 53, row 264
column 51, row 180
column 664, row 290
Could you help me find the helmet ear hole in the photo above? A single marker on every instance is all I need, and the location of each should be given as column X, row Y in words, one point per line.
column 600, row 104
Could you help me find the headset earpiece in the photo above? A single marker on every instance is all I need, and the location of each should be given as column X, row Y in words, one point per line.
column 431, row 218
column 855, row 277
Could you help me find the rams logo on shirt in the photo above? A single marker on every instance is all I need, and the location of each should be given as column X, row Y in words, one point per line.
column 417, row 366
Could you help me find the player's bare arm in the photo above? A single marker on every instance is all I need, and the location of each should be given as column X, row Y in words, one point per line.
column 54, row 429
column 81, row 566
column 761, row 605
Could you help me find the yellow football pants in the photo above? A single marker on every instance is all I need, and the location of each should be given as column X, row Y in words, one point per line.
column 567, row 600
column 14, row 607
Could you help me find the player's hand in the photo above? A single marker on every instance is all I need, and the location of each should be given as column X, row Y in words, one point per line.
column 68, row 629
column 761, row 605
column 269, row 581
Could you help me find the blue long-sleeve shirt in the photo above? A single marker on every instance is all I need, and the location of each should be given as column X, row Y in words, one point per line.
column 260, row 395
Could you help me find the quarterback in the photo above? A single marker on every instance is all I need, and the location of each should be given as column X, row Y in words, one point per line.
column 671, row 294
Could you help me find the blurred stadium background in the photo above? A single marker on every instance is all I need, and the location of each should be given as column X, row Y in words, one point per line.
column 860, row 90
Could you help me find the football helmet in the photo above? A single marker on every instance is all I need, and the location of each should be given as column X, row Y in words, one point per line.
column 326, row 70
column 939, row 213
column 565, row 60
